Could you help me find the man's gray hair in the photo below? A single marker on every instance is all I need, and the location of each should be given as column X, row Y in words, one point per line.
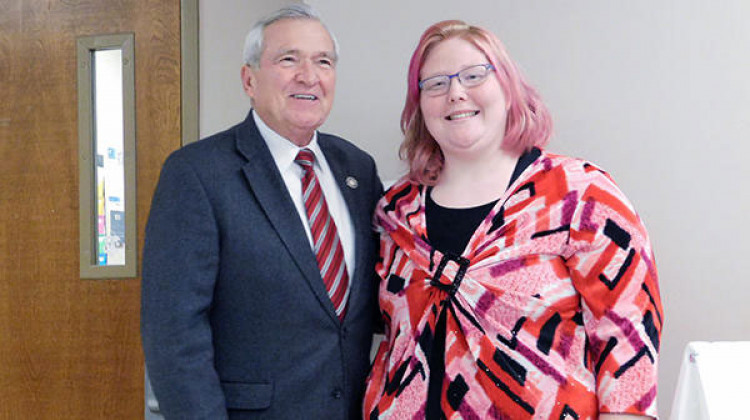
column 254, row 41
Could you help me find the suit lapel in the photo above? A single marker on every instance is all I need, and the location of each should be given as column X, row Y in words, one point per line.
column 273, row 197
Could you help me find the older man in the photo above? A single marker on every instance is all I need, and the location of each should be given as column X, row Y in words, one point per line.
column 258, row 291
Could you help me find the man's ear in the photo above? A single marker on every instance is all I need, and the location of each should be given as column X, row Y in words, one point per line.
column 248, row 80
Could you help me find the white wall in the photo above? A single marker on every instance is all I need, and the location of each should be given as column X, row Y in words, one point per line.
column 223, row 25
column 657, row 92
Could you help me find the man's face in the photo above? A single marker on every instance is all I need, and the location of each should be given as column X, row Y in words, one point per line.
column 293, row 87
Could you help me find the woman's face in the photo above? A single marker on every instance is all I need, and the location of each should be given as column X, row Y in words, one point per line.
column 465, row 122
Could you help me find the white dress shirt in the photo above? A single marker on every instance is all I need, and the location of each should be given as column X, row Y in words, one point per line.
column 284, row 152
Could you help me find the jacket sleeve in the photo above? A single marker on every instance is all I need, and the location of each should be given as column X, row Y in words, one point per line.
column 180, row 266
column 612, row 267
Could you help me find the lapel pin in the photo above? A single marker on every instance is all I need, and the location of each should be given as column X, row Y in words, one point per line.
column 352, row 182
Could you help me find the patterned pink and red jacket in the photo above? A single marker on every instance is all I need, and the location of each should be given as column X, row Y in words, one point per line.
column 552, row 310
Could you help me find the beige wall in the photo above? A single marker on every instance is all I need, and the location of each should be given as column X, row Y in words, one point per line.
column 655, row 92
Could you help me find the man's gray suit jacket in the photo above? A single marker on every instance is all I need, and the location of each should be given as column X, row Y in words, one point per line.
column 235, row 318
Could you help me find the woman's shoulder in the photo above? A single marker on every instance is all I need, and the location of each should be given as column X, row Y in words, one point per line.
column 576, row 169
column 592, row 184
column 569, row 162
column 400, row 187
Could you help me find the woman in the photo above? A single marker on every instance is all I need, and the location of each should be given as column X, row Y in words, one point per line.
column 515, row 283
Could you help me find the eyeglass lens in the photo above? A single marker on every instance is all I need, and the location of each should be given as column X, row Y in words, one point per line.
column 468, row 77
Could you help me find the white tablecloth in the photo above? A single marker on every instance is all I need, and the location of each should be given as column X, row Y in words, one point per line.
column 714, row 382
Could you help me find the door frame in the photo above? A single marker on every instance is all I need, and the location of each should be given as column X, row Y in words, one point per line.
column 189, row 116
column 190, row 71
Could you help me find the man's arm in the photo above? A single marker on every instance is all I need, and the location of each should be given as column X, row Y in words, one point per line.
column 180, row 265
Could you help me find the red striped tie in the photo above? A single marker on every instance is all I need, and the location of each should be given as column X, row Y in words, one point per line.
column 326, row 242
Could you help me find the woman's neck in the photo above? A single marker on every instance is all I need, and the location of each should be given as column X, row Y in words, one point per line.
column 469, row 183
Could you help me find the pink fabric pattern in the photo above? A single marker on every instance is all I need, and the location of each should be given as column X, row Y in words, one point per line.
column 553, row 308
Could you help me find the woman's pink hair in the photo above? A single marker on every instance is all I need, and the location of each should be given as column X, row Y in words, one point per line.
column 528, row 122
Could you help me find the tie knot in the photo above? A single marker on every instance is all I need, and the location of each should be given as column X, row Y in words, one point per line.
column 305, row 158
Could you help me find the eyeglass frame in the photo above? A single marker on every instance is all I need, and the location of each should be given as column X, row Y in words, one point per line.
column 450, row 77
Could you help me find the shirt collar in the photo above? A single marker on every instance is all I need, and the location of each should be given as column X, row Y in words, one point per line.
column 283, row 150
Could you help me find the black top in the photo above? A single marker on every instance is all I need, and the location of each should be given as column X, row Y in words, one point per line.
column 449, row 229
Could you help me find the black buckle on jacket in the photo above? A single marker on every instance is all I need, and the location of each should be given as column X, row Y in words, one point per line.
column 463, row 265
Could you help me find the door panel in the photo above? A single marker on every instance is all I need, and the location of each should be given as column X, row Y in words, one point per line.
column 70, row 348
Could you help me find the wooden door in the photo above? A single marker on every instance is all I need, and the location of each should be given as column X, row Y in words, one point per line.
column 70, row 348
